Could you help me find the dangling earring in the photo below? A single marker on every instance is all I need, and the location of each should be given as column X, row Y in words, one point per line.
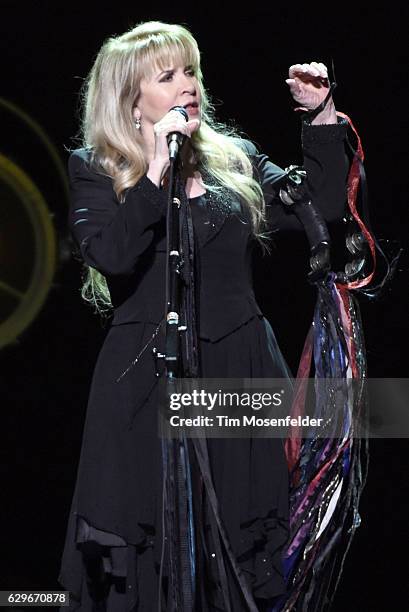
column 137, row 123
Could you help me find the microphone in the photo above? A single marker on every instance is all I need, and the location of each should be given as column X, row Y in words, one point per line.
column 176, row 139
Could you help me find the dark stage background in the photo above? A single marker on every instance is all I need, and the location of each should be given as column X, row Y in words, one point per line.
column 46, row 51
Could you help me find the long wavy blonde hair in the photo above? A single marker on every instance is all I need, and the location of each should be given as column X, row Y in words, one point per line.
column 108, row 96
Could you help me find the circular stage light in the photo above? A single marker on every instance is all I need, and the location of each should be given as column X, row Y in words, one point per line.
column 27, row 251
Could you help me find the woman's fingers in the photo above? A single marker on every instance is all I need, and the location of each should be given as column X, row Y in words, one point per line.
column 312, row 70
column 321, row 68
column 175, row 122
column 294, row 85
column 192, row 125
column 171, row 122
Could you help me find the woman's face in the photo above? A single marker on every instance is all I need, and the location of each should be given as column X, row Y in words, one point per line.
column 176, row 85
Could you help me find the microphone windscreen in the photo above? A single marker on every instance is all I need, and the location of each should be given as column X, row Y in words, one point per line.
column 181, row 110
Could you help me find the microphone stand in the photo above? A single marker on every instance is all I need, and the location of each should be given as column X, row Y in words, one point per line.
column 175, row 453
column 178, row 499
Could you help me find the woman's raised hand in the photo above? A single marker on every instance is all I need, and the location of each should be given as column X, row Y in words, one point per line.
column 308, row 84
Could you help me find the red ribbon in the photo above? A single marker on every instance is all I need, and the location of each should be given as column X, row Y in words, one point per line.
column 352, row 190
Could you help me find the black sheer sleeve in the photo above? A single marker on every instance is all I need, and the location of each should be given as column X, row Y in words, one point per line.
column 326, row 164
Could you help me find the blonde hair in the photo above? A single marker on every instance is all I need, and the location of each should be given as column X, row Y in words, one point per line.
column 108, row 97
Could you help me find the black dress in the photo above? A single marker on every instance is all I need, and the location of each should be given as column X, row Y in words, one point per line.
column 113, row 546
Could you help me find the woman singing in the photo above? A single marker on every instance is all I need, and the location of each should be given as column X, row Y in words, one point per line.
column 115, row 555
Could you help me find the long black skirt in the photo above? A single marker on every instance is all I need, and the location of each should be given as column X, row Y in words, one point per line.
column 113, row 548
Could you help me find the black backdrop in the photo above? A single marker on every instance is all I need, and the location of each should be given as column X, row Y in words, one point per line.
column 46, row 51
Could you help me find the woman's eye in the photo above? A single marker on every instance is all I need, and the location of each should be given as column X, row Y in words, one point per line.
column 169, row 75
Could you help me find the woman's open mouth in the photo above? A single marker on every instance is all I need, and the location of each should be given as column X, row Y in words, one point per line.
column 192, row 108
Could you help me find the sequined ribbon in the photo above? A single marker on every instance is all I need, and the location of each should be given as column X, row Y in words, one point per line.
column 321, row 517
